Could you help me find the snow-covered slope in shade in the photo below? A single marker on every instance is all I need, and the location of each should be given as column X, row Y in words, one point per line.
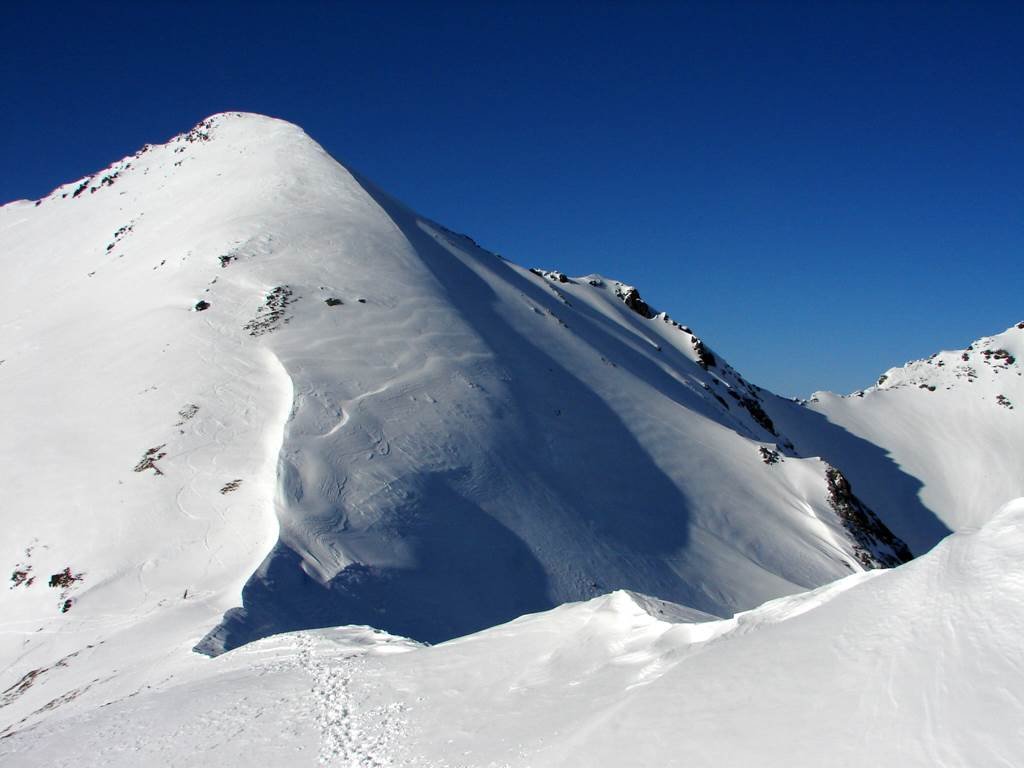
column 917, row 666
column 227, row 360
column 937, row 444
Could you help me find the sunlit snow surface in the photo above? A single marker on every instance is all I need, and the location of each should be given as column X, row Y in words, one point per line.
column 226, row 361
column 918, row 666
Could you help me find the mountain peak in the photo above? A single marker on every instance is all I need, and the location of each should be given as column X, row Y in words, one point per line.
column 341, row 400
column 227, row 143
column 247, row 392
column 986, row 359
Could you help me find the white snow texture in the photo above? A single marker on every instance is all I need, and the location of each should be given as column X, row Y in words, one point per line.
column 256, row 407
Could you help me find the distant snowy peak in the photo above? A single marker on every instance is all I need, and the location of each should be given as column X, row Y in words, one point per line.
column 935, row 445
column 990, row 358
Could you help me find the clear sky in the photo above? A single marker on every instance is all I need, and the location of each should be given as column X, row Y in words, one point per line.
column 821, row 190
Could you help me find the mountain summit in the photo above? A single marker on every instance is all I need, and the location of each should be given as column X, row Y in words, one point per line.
column 247, row 392
column 263, row 357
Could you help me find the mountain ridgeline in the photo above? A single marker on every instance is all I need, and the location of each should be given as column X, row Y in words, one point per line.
column 248, row 392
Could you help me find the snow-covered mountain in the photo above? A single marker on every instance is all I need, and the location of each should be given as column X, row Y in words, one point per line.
column 937, row 444
column 246, row 392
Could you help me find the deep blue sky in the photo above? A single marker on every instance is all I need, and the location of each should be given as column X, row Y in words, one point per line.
column 822, row 190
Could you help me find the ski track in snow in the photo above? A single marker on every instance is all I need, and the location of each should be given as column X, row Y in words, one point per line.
column 353, row 732
column 351, row 735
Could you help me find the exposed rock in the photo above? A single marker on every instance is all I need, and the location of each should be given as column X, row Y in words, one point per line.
column 999, row 354
column 21, row 576
column 272, row 315
column 757, row 414
column 187, row 413
column 705, row 359
column 552, row 274
column 149, row 459
column 631, row 298
column 874, row 545
column 64, row 579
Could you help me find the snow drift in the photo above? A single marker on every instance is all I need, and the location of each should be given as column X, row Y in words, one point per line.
column 921, row 664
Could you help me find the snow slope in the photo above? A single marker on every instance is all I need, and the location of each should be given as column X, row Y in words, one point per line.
column 423, row 437
column 936, row 445
column 917, row 666
column 246, row 392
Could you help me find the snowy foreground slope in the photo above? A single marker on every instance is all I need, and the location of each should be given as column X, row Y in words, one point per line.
column 917, row 666
column 244, row 392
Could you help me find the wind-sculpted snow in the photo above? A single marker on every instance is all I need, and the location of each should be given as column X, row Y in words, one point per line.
column 459, row 475
column 920, row 666
column 246, row 392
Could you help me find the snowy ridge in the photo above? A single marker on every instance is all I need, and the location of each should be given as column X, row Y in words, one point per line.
column 607, row 682
column 989, row 358
column 936, row 445
column 246, row 392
